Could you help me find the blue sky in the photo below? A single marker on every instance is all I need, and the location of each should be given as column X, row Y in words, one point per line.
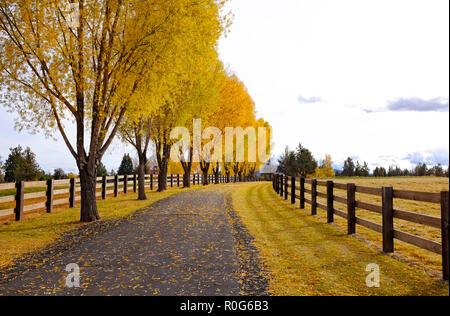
column 367, row 79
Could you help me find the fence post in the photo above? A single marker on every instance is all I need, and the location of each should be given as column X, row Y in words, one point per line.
column 125, row 184
column 445, row 237
column 134, row 183
column 281, row 185
column 178, row 180
column 276, row 183
column 302, row 193
column 171, row 180
column 293, row 190
column 351, row 208
column 330, row 202
column 286, row 188
column 104, row 188
column 116, row 186
column 49, row 202
column 388, row 219
column 314, row 197
column 19, row 200
column 72, row 193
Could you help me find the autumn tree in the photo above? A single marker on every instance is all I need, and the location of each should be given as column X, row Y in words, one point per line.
column 85, row 72
column 326, row 169
column 178, row 84
column 236, row 109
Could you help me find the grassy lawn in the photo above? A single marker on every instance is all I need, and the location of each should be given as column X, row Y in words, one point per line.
column 306, row 256
column 426, row 184
column 35, row 232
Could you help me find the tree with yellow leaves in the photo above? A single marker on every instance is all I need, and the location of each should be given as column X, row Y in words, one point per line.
column 179, row 87
column 175, row 85
column 326, row 169
column 236, row 109
column 82, row 67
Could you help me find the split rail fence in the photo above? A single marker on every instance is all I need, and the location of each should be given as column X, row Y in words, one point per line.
column 62, row 193
column 295, row 189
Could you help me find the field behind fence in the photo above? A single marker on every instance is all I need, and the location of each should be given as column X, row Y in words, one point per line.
column 22, row 198
column 350, row 201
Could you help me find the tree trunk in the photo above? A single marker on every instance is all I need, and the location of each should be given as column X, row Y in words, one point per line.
column 216, row 173
column 187, row 175
column 187, row 168
column 163, row 156
column 162, row 177
column 142, row 196
column 205, row 178
column 88, row 181
column 205, row 170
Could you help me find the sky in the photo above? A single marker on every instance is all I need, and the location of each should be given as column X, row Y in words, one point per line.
column 359, row 78
column 365, row 79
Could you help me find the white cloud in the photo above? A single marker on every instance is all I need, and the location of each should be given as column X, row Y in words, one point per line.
column 303, row 99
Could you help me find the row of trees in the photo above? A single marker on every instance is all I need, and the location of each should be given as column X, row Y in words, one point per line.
column 421, row 170
column 301, row 162
column 21, row 165
column 135, row 68
column 358, row 169
column 352, row 169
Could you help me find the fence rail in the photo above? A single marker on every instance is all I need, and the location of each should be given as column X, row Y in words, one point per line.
column 287, row 186
column 67, row 192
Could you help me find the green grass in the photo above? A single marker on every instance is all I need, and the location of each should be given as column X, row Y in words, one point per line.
column 29, row 190
column 306, row 256
column 425, row 184
column 35, row 232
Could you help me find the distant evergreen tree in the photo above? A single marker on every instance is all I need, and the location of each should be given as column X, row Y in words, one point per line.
column 365, row 171
column 437, row 171
column 305, row 162
column 21, row 165
column 379, row 172
column 126, row 167
column 297, row 163
column 349, row 168
column 420, row 170
column 101, row 170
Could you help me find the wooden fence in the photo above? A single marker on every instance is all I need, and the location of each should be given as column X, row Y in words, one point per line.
column 295, row 188
column 61, row 193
